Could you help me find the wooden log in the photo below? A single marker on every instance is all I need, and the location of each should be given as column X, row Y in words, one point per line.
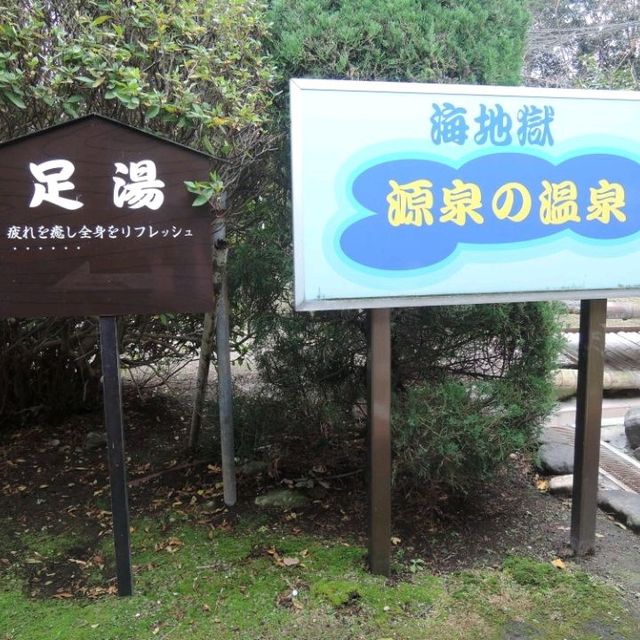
column 566, row 381
column 615, row 310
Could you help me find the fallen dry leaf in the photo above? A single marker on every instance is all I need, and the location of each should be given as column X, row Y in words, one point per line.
column 559, row 564
column 290, row 562
column 395, row 541
column 542, row 485
column 171, row 545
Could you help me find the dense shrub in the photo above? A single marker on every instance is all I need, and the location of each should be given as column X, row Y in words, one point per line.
column 455, row 432
column 474, row 41
column 471, row 384
column 194, row 71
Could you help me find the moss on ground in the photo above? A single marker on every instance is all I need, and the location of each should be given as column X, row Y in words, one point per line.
column 191, row 581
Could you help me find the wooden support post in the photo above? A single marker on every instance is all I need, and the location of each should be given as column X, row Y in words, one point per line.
column 115, row 451
column 593, row 316
column 379, row 441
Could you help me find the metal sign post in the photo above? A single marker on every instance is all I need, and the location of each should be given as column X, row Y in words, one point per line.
column 593, row 316
column 379, row 441
column 115, row 451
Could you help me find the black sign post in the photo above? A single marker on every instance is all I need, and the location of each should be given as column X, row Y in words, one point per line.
column 95, row 219
column 111, row 385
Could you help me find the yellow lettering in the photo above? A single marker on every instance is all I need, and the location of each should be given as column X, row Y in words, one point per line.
column 461, row 203
column 558, row 202
column 606, row 201
column 410, row 203
column 504, row 200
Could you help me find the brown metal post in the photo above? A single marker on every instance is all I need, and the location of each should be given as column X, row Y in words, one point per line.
column 379, row 441
column 593, row 317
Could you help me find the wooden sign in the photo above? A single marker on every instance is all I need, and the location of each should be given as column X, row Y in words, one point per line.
column 95, row 219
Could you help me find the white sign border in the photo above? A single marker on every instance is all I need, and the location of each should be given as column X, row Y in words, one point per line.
column 298, row 85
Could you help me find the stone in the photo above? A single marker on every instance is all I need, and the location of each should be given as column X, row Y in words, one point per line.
column 632, row 427
column 252, row 468
column 282, row 498
column 561, row 485
column 549, row 435
column 555, row 459
column 615, row 436
column 96, row 440
column 624, row 504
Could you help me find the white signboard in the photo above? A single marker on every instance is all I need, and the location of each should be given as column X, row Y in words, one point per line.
column 417, row 194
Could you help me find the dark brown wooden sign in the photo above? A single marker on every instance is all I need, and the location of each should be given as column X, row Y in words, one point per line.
column 95, row 219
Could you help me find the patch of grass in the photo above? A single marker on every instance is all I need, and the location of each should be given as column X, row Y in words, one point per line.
column 48, row 545
column 193, row 582
column 529, row 573
column 337, row 593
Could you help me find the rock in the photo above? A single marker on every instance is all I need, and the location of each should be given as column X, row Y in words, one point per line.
column 252, row 468
column 632, row 427
column 95, row 440
column 555, row 459
column 615, row 436
column 561, row 485
column 549, row 435
column 622, row 503
column 283, row 498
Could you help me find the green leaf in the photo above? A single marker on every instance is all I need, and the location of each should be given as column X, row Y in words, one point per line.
column 206, row 143
column 17, row 100
column 153, row 111
column 203, row 198
column 100, row 20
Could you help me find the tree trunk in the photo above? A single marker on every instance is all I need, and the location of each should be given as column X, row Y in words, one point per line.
column 206, row 351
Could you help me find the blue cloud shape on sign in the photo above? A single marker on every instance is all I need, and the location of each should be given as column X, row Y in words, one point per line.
column 371, row 241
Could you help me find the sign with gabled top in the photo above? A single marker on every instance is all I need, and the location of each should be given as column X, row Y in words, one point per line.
column 95, row 219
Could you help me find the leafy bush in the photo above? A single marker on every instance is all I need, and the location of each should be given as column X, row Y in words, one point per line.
column 470, row 383
column 194, row 71
column 456, row 427
column 475, row 41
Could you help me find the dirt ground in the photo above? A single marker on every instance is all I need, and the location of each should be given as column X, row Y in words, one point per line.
column 51, row 483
